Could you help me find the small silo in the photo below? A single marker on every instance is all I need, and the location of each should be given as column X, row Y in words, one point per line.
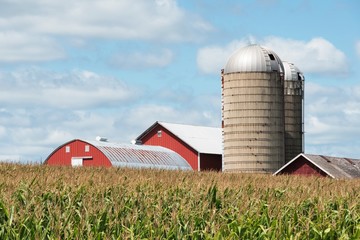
column 294, row 111
column 253, row 111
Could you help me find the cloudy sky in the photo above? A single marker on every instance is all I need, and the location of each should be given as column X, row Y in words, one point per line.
column 86, row 68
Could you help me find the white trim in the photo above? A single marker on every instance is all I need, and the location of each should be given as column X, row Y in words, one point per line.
column 85, row 157
column 303, row 155
column 198, row 162
column 288, row 163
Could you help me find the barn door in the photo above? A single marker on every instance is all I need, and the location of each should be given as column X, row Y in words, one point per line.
column 76, row 162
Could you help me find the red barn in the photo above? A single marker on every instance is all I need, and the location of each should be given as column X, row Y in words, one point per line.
column 319, row 165
column 200, row 146
column 102, row 153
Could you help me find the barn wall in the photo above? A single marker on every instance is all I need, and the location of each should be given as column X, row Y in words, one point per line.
column 210, row 162
column 301, row 166
column 77, row 149
column 172, row 142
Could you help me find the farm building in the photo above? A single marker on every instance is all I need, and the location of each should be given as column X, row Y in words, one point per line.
column 262, row 111
column 79, row 152
column 200, row 146
column 319, row 165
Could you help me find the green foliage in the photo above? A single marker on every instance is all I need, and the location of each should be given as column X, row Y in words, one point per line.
column 39, row 202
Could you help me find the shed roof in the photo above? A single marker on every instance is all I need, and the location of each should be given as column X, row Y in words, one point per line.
column 201, row 139
column 139, row 156
column 335, row 167
column 253, row 58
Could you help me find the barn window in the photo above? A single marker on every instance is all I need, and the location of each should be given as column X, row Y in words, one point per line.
column 87, row 148
column 67, row 149
column 159, row 133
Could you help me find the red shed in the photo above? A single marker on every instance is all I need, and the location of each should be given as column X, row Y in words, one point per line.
column 319, row 165
column 102, row 153
column 200, row 146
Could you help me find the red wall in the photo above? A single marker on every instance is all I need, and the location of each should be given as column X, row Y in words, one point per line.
column 77, row 149
column 210, row 162
column 301, row 166
column 172, row 142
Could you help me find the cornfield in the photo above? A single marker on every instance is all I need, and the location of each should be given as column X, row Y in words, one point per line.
column 43, row 202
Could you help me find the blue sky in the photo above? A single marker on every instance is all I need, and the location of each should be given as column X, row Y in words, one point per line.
column 79, row 69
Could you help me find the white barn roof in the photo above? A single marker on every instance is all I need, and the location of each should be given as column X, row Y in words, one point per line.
column 201, row 139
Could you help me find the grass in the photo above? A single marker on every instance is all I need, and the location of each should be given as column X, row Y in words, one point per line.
column 42, row 202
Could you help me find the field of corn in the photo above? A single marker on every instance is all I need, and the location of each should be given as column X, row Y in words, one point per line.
column 42, row 202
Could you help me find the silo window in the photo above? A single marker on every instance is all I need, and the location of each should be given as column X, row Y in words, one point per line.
column 159, row 133
column 87, row 148
column 271, row 57
column 67, row 149
column 299, row 76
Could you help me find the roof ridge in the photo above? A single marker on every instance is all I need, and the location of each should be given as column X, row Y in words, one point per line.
column 193, row 125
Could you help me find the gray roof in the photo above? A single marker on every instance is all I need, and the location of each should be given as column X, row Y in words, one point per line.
column 253, row 58
column 201, row 139
column 291, row 72
column 129, row 155
column 334, row 167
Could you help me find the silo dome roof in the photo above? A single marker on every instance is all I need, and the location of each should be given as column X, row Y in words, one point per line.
column 253, row 58
column 291, row 72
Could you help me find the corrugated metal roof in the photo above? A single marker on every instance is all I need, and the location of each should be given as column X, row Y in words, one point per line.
column 128, row 155
column 291, row 72
column 201, row 139
column 335, row 167
column 253, row 58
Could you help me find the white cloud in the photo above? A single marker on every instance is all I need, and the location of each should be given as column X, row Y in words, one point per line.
column 212, row 59
column 2, row 132
column 42, row 109
column 37, row 30
column 357, row 47
column 78, row 89
column 140, row 60
column 315, row 56
column 332, row 117
column 149, row 113
column 15, row 46
column 160, row 20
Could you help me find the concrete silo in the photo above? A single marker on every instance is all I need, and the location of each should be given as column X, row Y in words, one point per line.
column 253, row 111
column 294, row 108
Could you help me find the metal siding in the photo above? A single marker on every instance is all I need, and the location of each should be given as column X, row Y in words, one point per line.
column 293, row 126
column 170, row 141
column 253, row 115
column 293, row 107
column 77, row 149
column 253, row 58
